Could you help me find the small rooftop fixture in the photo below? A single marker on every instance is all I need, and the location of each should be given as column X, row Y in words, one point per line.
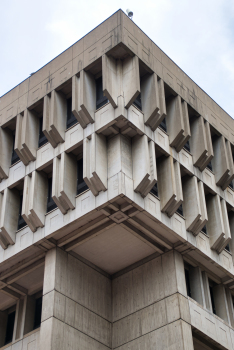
column 129, row 13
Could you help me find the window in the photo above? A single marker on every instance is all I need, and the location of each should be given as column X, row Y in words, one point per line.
column 180, row 210
column 50, row 202
column 10, row 327
column 187, row 146
column 154, row 190
column 209, row 166
column 204, row 230
column 187, row 280
column 14, row 158
column 81, row 184
column 231, row 185
column 71, row 119
column 42, row 138
column 101, row 100
column 21, row 222
column 137, row 102
column 163, row 125
column 211, row 286
column 37, row 316
column 227, row 247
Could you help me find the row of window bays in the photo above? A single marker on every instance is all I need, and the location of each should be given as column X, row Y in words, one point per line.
column 209, row 293
column 11, row 319
column 66, row 91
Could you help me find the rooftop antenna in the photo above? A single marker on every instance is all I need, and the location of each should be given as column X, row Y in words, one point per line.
column 129, row 13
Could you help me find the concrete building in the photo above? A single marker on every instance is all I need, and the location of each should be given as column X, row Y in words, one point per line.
column 116, row 203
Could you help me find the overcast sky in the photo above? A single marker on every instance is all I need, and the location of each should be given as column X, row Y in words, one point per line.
column 196, row 35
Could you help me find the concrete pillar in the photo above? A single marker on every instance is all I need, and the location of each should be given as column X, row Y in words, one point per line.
column 9, row 209
column 153, row 100
column 218, row 225
column 20, row 318
column 121, row 78
column 169, row 185
column 222, row 163
column 194, row 204
column 6, row 145
column 196, row 284
column 64, row 182
column 54, row 118
column 220, row 301
column 229, row 298
column 35, row 199
column 26, row 136
column 200, row 142
column 76, row 310
column 144, row 165
column 206, row 287
column 178, row 123
column 84, row 97
column 95, row 163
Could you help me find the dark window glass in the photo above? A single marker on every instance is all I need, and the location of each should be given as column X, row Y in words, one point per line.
column 180, row 210
column 212, row 300
column 10, row 327
column 227, row 247
column 204, row 230
column 154, row 190
column 231, row 185
column 42, row 138
column 187, row 146
column 50, row 202
column 163, row 125
column 81, row 184
column 101, row 100
column 71, row 119
column 21, row 222
column 209, row 166
column 37, row 317
column 187, row 279
column 137, row 102
column 14, row 158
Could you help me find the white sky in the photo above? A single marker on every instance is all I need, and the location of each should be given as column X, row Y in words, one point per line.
column 196, row 35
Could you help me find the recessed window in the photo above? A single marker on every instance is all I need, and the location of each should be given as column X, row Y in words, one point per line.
column 14, row 158
column 180, row 210
column 10, row 327
column 50, row 202
column 71, row 119
column 37, row 316
column 209, row 166
column 163, row 125
column 81, row 184
column 187, row 280
column 211, row 286
column 154, row 190
column 101, row 100
column 42, row 138
column 137, row 102
column 21, row 222
column 204, row 230
column 187, row 146
column 227, row 247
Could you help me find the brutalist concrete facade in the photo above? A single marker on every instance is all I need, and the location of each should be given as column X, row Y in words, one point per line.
column 122, row 223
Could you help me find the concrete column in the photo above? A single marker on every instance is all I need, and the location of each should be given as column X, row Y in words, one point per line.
column 76, row 309
column 206, row 287
column 144, row 165
column 196, row 284
column 218, row 225
column 64, row 182
column 110, row 79
column 84, row 97
column 35, row 199
column 200, row 142
column 229, row 299
column 169, row 185
column 131, row 80
column 26, row 136
column 222, row 163
column 9, row 209
column 54, row 118
column 20, row 318
column 178, row 123
column 220, row 301
column 6, row 145
column 194, row 204
column 95, row 163
column 153, row 100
